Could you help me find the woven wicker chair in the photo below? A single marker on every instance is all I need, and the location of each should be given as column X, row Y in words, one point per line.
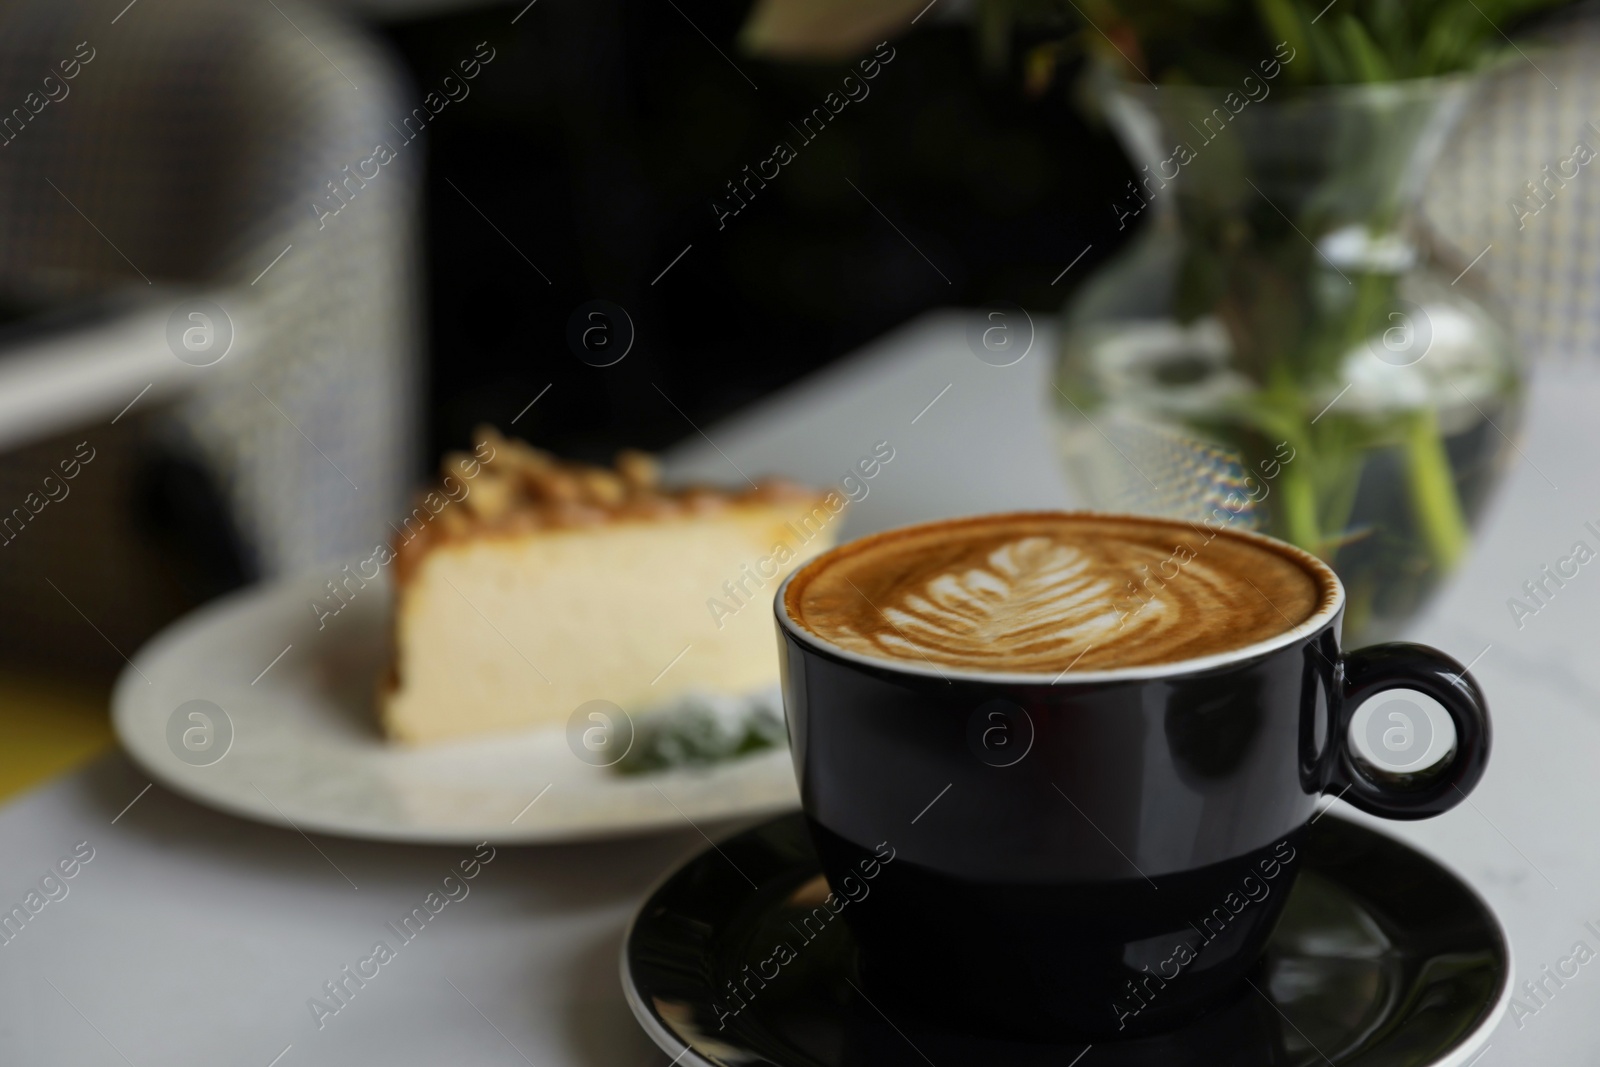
column 181, row 146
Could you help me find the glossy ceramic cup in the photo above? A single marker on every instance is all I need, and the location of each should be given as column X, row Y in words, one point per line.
column 1101, row 851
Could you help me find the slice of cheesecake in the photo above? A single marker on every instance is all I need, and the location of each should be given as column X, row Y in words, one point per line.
column 527, row 586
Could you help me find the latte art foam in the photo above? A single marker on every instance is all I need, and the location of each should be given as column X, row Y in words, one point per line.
column 1042, row 593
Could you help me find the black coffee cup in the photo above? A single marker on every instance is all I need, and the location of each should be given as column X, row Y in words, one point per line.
column 1102, row 852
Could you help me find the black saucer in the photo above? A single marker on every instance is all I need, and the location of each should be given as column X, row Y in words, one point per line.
column 1383, row 959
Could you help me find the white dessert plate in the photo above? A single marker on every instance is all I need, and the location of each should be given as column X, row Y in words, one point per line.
column 286, row 733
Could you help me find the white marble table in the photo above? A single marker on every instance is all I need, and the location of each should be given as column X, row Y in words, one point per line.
column 192, row 937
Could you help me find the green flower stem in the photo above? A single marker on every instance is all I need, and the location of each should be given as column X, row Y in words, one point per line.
column 1433, row 490
column 1298, row 504
column 1277, row 411
column 1343, row 485
column 1373, row 292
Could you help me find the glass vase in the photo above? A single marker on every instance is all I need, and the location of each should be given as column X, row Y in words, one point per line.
column 1283, row 346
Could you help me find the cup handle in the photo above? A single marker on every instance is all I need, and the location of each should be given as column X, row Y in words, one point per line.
column 1367, row 672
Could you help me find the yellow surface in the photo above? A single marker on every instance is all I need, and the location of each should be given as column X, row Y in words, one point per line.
column 47, row 727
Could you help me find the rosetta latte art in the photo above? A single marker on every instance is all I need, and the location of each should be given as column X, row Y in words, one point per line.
column 1033, row 601
column 1047, row 593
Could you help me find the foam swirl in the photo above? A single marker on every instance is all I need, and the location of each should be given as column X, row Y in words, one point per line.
column 1035, row 594
column 1029, row 597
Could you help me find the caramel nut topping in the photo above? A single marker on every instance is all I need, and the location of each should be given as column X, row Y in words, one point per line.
column 512, row 488
column 639, row 469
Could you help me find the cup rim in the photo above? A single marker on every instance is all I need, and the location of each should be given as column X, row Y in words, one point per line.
column 1333, row 598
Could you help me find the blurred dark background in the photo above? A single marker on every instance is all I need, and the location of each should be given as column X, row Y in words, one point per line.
column 584, row 162
column 596, row 143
